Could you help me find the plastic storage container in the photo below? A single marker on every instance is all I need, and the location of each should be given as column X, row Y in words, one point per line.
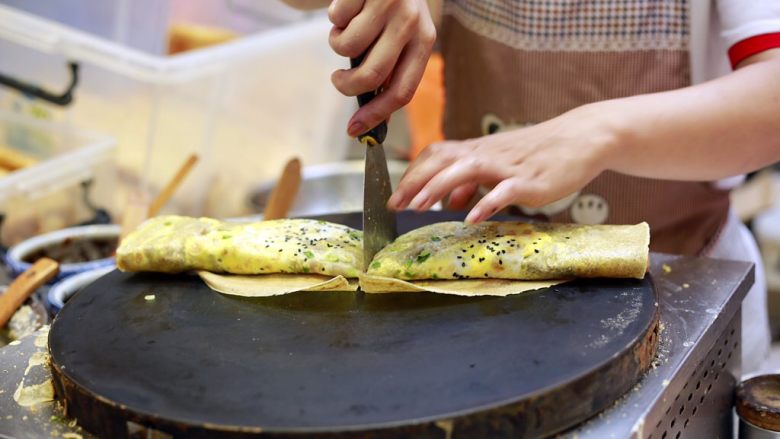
column 244, row 107
column 72, row 175
column 144, row 24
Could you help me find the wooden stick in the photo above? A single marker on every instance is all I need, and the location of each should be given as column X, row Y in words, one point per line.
column 172, row 185
column 23, row 286
column 283, row 194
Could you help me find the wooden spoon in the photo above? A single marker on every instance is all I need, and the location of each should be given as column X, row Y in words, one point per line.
column 138, row 209
column 283, row 194
column 22, row 287
column 170, row 188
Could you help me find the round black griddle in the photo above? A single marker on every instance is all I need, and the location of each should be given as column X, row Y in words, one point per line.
column 195, row 363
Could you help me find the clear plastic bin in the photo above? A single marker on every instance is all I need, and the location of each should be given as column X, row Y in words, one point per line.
column 143, row 24
column 72, row 176
column 244, row 107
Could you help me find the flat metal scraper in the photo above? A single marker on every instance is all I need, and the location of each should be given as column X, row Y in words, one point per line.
column 379, row 227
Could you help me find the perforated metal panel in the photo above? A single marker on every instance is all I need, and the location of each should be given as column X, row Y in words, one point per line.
column 702, row 408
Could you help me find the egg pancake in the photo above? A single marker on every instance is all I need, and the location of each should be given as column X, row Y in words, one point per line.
column 515, row 250
column 173, row 244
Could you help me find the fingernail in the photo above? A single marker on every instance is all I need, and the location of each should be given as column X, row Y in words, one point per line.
column 474, row 216
column 394, row 201
column 356, row 128
column 419, row 202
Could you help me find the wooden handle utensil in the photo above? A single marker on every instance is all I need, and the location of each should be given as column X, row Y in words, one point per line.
column 170, row 188
column 283, row 195
column 23, row 286
column 138, row 209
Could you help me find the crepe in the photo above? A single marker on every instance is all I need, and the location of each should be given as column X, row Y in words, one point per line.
column 173, row 244
column 273, row 284
column 515, row 250
column 463, row 287
column 282, row 256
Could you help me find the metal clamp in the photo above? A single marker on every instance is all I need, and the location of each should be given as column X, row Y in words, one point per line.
column 62, row 99
column 101, row 216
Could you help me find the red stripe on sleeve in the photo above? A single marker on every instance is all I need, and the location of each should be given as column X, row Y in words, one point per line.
column 751, row 46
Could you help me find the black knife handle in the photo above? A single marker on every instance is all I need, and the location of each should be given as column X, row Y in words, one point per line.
column 377, row 134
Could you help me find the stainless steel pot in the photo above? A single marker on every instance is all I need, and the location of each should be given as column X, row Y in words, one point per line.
column 327, row 188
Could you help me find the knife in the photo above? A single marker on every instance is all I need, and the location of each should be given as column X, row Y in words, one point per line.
column 379, row 227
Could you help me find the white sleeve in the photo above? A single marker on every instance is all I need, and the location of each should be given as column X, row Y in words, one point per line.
column 742, row 19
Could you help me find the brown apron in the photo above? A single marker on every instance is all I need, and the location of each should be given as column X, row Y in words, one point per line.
column 513, row 63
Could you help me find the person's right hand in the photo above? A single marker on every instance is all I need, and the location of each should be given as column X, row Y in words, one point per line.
column 398, row 35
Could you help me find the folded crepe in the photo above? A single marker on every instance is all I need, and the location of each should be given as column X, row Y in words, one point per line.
column 313, row 254
column 281, row 256
column 509, row 251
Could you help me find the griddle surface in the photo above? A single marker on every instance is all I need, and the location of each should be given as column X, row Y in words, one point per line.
column 323, row 360
column 341, row 361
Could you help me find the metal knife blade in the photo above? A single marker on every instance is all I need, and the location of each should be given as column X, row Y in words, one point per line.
column 379, row 227
column 378, row 222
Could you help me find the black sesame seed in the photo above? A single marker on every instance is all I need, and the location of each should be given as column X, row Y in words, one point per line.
column 463, row 264
column 536, row 250
column 481, row 259
column 500, row 262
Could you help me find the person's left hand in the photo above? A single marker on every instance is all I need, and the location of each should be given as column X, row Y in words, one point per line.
column 530, row 166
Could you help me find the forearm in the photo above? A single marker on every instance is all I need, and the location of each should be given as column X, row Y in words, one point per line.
column 724, row 127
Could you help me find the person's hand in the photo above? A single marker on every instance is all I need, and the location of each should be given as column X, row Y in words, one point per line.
column 530, row 166
column 399, row 36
